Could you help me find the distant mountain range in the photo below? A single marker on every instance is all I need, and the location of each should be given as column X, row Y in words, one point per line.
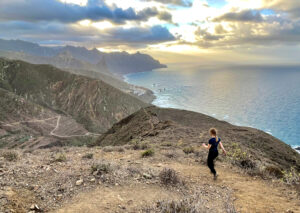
column 70, row 57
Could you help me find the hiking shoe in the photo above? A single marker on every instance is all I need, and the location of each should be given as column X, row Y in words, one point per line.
column 215, row 176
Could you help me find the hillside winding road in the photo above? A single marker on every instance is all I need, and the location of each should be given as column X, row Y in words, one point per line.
column 52, row 133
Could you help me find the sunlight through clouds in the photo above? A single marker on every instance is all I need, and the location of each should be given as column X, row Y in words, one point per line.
column 168, row 25
column 79, row 2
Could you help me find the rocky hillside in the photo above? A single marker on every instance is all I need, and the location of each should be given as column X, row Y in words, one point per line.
column 250, row 147
column 150, row 161
column 41, row 91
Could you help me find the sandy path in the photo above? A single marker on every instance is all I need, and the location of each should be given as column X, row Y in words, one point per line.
column 252, row 194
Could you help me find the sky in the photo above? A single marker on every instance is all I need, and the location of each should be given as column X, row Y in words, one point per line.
column 225, row 31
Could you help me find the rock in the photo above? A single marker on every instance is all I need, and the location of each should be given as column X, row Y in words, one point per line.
column 122, row 207
column 147, row 176
column 79, row 182
column 35, row 208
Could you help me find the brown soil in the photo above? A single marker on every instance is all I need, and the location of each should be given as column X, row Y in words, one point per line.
column 36, row 178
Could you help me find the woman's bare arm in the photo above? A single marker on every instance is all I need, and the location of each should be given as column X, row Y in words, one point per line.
column 206, row 146
column 222, row 147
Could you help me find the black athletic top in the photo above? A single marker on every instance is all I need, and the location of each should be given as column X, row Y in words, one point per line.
column 214, row 144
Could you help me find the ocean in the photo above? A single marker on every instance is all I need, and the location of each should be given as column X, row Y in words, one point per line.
column 266, row 98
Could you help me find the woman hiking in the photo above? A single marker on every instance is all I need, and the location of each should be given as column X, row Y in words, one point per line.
column 213, row 153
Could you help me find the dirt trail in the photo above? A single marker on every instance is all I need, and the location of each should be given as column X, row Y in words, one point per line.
column 105, row 199
column 251, row 195
column 55, row 128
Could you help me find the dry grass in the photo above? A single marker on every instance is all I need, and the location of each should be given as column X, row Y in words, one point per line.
column 169, row 177
column 10, row 155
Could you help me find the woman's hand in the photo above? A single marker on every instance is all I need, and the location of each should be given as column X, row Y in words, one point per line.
column 224, row 152
column 204, row 145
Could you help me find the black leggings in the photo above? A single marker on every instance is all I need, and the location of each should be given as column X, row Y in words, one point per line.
column 210, row 161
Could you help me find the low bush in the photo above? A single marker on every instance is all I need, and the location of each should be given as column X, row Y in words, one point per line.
column 120, row 149
column 170, row 154
column 108, row 149
column 274, row 171
column 100, row 168
column 169, row 177
column 167, row 144
column 113, row 149
column 240, row 157
column 188, row 150
column 182, row 206
column 291, row 176
column 147, row 153
column 88, row 156
column 10, row 156
column 60, row 157
column 190, row 204
column 136, row 145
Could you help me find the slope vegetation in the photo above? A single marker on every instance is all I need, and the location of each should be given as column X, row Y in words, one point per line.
column 249, row 147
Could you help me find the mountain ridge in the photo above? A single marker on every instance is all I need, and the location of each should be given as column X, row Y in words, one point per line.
column 118, row 63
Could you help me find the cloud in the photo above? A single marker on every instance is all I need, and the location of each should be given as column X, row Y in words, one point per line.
column 243, row 16
column 89, row 36
column 203, row 34
column 53, row 10
column 250, row 35
column 185, row 3
column 291, row 6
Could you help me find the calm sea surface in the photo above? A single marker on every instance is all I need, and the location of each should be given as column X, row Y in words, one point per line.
column 264, row 98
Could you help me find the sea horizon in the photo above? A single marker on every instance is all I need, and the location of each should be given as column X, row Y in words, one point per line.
column 154, row 80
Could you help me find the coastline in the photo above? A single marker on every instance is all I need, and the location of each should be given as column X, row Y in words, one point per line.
column 154, row 97
column 143, row 93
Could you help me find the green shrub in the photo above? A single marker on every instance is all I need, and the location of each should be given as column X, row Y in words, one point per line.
column 167, row 144
column 10, row 156
column 136, row 145
column 100, row 168
column 240, row 157
column 88, row 156
column 60, row 157
column 148, row 153
column 291, row 176
column 188, row 150
column 24, row 139
column 274, row 171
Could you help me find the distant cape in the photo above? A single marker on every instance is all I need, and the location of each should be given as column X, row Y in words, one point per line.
column 73, row 57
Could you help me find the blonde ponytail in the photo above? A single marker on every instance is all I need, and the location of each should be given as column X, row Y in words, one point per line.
column 213, row 131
